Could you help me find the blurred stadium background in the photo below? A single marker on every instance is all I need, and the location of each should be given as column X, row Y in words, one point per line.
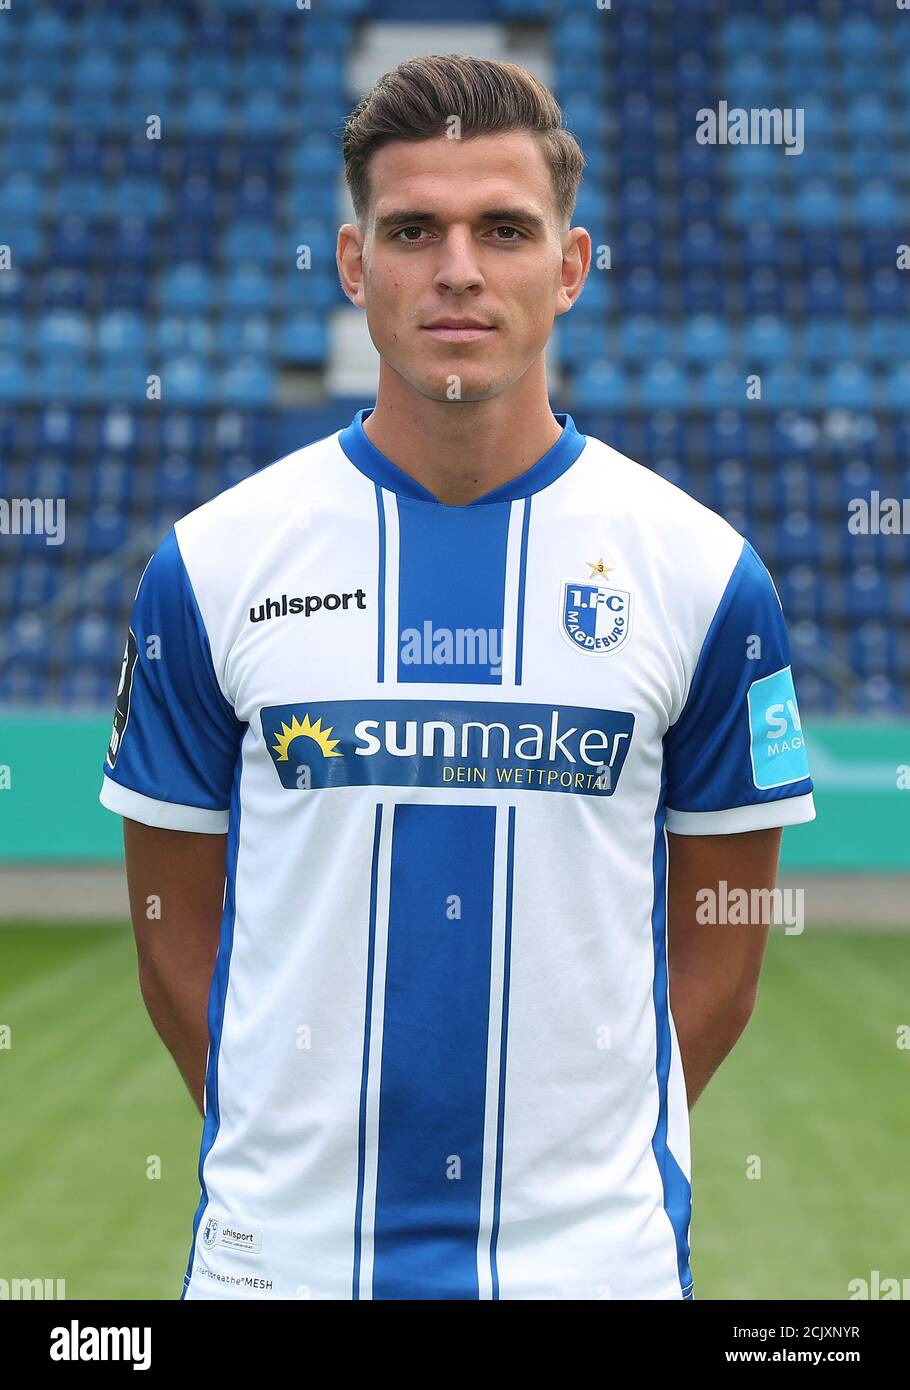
column 178, row 257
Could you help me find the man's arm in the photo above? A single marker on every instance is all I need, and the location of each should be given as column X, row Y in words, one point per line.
column 176, row 882
column 713, row 969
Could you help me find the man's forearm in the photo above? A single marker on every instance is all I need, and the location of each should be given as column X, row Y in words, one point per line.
column 706, row 1032
column 179, row 1012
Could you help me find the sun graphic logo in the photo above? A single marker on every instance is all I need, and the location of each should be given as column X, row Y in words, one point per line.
column 307, row 729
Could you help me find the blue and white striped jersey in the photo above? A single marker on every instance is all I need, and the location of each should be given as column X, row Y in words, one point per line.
column 446, row 744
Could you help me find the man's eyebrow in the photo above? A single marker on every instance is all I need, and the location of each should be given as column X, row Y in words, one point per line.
column 407, row 215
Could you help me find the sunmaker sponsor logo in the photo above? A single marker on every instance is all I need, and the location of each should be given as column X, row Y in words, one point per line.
column 441, row 743
column 282, row 606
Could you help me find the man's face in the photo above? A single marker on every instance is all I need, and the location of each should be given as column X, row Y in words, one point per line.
column 487, row 247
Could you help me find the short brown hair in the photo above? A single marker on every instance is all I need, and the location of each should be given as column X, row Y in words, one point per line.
column 416, row 100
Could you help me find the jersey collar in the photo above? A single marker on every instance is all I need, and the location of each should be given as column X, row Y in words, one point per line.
column 364, row 455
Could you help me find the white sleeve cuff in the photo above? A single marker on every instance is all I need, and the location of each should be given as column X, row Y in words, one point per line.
column 170, row 815
column 763, row 815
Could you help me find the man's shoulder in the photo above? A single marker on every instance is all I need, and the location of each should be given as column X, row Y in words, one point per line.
column 657, row 511
column 631, row 483
column 276, row 491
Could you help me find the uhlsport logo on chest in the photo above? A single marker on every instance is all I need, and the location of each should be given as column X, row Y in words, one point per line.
column 594, row 616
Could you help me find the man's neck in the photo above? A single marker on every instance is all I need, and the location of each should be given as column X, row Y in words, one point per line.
column 459, row 451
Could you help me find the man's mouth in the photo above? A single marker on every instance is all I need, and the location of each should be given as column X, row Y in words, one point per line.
column 446, row 333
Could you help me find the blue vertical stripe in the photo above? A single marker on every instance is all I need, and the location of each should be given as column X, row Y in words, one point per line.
column 522, row 582
column 677, row 1190
column 451, row 580
column 434, row 1053
column 217, row 997
column 380, row 591
column 501, row 1112
column 365, row 1067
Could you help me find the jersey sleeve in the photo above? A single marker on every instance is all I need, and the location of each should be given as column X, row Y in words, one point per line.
column 735, row 759
column 176, row 739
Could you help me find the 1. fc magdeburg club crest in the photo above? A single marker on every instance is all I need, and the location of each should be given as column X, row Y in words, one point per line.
column 595, row 618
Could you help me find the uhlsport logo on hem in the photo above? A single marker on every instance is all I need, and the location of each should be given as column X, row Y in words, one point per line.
column 218, row 1232
column 428, row 743
column 594, row 617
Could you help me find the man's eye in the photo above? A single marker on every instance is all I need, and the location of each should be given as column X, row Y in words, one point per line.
column 505, row 227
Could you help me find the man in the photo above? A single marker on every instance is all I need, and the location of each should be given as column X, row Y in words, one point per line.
column 419, row 725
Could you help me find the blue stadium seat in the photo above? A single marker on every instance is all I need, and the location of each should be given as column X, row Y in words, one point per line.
column 90, row 685
column 802, row 593
column 54, row 436
column 186, row 286
column 12, row 334
column 797, row 540
column 27, row 154
column 31, row 584
column 887, row 338
column 122, row 331
column 57, row 381
column 247, row 382
column 177, row 481
column 111, row 480
column 787, row 384
column 602, row 386
column 23, row 684
column 303, row 339
column 827, row 338
column 247, row 333
column 846, row 385
column 62, row 335
column 136, row 197
column 21, row 193
column 189, row 381
column 766, row 338
column 250, row 240
column 663, row 385
column 896, row 387
column 183, row 333
column 705, row 337
column 36, row 110
column 264, row 113
column 876, row 201
column 886, row 290
column 125, row 378
column 107, row 529
column 45, row 31
column 720, row 385
column 75, row 243
column 866, row 593
column 247, row 286
column 25, row 239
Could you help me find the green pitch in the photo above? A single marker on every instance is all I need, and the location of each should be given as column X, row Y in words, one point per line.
column 816, row 1090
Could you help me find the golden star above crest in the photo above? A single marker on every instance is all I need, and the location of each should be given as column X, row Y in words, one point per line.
column 599, row 568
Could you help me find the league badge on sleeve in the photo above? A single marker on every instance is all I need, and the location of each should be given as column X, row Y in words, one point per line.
column 124, row 691
column 775, row 732
column 595, row 618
